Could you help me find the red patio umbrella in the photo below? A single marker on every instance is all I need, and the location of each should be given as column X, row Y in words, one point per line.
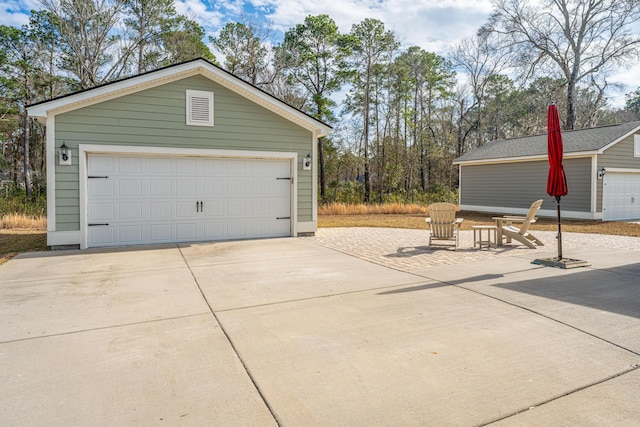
column 557, row 180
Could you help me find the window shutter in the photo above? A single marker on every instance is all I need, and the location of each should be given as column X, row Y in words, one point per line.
column 199, row 108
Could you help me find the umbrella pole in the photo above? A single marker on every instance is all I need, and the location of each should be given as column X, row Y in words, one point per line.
column 559, row 230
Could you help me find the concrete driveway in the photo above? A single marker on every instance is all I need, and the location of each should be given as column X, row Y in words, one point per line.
column 346, row 328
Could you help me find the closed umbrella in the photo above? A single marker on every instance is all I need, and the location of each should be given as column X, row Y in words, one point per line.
column 557, row 185
column 557, row 180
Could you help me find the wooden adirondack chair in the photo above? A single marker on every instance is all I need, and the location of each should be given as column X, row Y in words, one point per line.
column 443, row 224
column 516, row 227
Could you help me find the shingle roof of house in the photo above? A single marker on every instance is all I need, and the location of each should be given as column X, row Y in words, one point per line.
column 576, row 141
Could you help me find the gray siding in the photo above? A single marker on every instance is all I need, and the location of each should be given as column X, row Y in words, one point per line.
column 157, row 117
column 518, row 184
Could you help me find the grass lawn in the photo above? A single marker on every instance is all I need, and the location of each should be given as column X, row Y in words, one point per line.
column 15, row 241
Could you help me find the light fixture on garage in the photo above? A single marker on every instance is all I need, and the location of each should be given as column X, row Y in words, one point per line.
column 601, row 173
column 306, row 162
column 65, row 155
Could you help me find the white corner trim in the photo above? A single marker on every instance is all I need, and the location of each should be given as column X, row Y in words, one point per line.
column 61, row 238
column 314, row 176
column 307, row 227
column 50, row 139
column 594, row 182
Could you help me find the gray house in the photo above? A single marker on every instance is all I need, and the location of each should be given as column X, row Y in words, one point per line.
column 184, row 153
column 602, row 167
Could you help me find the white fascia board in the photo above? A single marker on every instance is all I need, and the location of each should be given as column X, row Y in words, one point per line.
column 170, row 74
column 614, row 142
column 523, row 159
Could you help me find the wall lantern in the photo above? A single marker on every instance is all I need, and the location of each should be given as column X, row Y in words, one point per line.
column 64, row 155
column 601, row 173
column 306, row 163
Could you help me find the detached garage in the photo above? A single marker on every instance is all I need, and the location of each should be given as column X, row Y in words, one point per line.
column 602, row 166
column 182, row 154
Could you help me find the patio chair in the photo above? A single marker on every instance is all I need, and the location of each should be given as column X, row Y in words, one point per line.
column 516, row 227
column 443, row 224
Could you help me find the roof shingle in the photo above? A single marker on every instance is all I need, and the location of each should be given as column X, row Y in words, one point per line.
column 576, row 141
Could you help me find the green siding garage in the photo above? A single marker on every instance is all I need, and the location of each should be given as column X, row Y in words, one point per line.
column 185, row 153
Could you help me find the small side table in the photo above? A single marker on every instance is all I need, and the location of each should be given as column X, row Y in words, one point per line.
column 492, row 236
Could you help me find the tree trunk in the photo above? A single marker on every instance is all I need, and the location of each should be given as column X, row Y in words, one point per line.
column 27, row 166
column 323, row 185
column 571, row 112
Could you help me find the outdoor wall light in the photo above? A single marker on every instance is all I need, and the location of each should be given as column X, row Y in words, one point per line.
column 64, row 155
column 306, row 162
column 601, row 173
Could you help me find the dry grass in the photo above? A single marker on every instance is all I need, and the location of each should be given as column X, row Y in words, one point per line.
column 20, row 233
column 416, row 221
column 362, row 209
column 17, row 221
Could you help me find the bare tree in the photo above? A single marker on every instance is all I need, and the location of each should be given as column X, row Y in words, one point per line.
column 90, row 40
column 582, row 39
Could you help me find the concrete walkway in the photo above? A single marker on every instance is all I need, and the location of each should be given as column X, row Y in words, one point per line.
column 351, row 327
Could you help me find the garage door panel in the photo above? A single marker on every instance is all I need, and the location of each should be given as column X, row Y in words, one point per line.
column 186, row 231
column 130, row 165
column 102, row 236
column 130, row 211
column 161, row 233
column 213, row 209
column 130, row 234
column 160, row 187
column 161, row 210
column 101, row 188
column 186, row 209
column 186, row 188
column 186, row 167
column 621, row 196
column 213, row 187
column 169, row 199
column 130, row 188
column 214, row 231
column 101, row 211
column 160, row 166
column 236, row 229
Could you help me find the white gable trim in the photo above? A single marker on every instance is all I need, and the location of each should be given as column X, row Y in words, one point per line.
column 171, row 74
column 611, row 144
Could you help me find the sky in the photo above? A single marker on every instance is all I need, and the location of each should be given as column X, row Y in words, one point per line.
column 434, row 25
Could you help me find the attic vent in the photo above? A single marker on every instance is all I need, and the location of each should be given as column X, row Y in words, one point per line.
column 199, row 108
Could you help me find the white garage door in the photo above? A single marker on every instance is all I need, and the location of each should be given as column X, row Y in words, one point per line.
column 136, row 200
column 621, row 196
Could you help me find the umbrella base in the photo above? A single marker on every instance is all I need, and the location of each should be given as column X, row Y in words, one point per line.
column 561, row 262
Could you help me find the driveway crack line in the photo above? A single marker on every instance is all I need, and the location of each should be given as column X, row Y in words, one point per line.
column 230, row 341
column 569, row 393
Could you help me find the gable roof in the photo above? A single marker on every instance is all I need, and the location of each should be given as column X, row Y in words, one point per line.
column 171, row 73
column 577, row 142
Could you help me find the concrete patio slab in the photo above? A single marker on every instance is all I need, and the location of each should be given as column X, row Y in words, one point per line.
column 601, row 301
column 440, row 356
column 267, row 279
column 59, row 305
column 170, row 372
column 614, row 402
column 76, row 263
column 349, row 328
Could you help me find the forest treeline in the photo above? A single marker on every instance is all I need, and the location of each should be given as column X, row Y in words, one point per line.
column 400, row 114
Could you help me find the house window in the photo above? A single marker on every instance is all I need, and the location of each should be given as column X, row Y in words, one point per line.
column 636, row 145
column 199, row 108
